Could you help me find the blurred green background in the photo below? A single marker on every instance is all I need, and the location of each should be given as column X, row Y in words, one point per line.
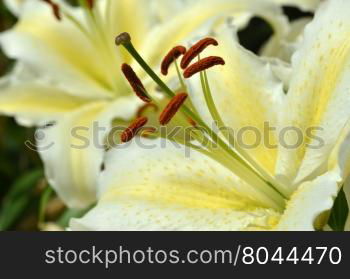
column 17, row 162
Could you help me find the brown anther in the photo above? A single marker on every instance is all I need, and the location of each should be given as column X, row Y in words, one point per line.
column 143, row 108
column 202, row 65
column 172, row 107
column 55, row 9
column 122, row 38
column 130, row 132
column 135, row 83
column 195, row 50
column 172, row 55
column 90, row 4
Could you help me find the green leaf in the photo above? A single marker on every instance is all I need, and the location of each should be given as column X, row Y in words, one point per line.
column 18, row 198
column 339, row 213
column 44, row 199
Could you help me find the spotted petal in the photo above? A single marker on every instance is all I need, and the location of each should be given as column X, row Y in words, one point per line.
column 318, row 99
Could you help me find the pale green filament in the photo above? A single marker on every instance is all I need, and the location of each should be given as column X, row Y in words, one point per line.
column 220, row 123
column 183, row 85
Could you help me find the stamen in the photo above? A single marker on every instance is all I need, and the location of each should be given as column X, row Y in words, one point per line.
column 122, row 38
column 130, row 132
column 172, row 108
column 142, row 109
column 55, row 9
column 202, row 65
column 195, row 50
column 135, row 83
column 172, row 55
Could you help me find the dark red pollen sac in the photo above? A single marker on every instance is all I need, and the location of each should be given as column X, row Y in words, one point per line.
column 135, row 83
column 172, row 108
column 202, row 65
column 172, row 55
column 195, row 50
column 55, row 9
column 90, row 4
column 130, row 132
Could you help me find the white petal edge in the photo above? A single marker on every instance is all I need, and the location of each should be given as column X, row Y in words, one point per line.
column 73, row 161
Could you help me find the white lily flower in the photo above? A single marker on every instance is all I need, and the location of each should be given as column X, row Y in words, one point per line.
column 68, row 72
column 264, row 188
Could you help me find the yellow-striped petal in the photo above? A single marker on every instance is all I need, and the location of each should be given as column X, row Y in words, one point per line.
column 36, row 104
column 318, row 99
column 159, row 188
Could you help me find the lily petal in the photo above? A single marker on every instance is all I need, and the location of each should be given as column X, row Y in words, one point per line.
column 160, row 189
column 318, row 99
column 35, row 104
column 285, row 48
column 306, row 5
column 14, row 6
column 59, row 50
column 72, row 150
column 206, row 13
column 310, row 200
